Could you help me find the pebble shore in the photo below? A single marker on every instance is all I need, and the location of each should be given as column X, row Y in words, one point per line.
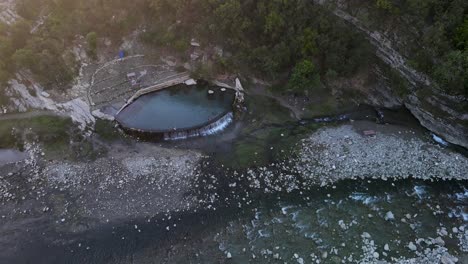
column 343, row 152
column 144, row 180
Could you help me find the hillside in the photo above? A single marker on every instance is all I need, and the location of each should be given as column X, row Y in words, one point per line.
column 384, row 53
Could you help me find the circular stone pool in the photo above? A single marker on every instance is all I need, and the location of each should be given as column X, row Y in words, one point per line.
column 179, row 112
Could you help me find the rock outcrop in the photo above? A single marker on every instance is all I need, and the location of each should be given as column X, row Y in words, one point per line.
column 26, row 97
column 440, row 113
column 7, row 12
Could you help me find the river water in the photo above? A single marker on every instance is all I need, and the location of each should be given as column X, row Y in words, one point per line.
column 350, row 222
column 11, row 156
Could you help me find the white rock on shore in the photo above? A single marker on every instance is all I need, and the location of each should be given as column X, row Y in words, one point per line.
column 98, row 114
column 390, row 155
column 77, row 109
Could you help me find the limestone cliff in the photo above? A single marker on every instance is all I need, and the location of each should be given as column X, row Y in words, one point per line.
column 442, row 114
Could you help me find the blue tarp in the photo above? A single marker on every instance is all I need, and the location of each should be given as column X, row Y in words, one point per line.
column 121, row 54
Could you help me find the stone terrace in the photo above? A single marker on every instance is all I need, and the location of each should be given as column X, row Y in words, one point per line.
column 111, row 88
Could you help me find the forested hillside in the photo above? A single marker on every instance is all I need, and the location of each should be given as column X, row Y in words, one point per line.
column 271, row 38
column 275, row 36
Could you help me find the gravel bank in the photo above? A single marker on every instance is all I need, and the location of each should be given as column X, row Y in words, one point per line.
column 143, row 180
column 130, row 182
column 343, row 152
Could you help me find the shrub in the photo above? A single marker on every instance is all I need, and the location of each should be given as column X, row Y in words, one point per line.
column 304, row 78
column 91, row 41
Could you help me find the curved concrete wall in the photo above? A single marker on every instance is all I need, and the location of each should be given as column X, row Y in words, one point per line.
column 211, row 127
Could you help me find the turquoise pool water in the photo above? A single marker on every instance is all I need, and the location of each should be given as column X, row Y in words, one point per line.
column 177, row 108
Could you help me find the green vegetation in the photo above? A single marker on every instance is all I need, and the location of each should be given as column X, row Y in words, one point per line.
column 91, row 41
column 29, row 9
column 436, row 37
column 275, row 39
column 52, row 131
column 461, row 35
column 42, row 55
column 266, row 37
column 41, row 41
column 386, row 5
column 107, row 131
column 452, row 73
column 328, row 106
column 59, row 137
column 304, row 77
column 460, row 57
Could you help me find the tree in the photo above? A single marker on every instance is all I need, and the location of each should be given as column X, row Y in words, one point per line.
column 6, row 48
column 3, row 28
column 307, row 42
column 4, row 74
column 25, row 59
column 304, row 78
column 461, row 36
column 29, row 9
column 385, row 5
column 91, row 40
column 20, row 33
column 274, row 24
column 230, row 20
column 452, row 73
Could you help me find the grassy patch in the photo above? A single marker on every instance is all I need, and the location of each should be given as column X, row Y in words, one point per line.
column 107, row 131
column 50, row 130
column 263, row 110
column 59, row 137
column 327, row 106
column 7, row 136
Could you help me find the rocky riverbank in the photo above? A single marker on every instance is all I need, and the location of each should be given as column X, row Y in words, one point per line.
column 344, row 152
column 130, row 181
column 143, row 180
column 441, row 113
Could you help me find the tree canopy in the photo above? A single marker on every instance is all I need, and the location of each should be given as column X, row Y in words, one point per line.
column 268, row 37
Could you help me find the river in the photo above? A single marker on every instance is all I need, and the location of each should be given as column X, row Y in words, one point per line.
column 354, row 222
column 246, row 202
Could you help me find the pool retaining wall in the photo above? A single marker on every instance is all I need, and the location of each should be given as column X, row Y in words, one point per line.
column 208, row 128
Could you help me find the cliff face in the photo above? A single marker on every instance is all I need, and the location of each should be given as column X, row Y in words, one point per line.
column 7, row 12
column 442, row 114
